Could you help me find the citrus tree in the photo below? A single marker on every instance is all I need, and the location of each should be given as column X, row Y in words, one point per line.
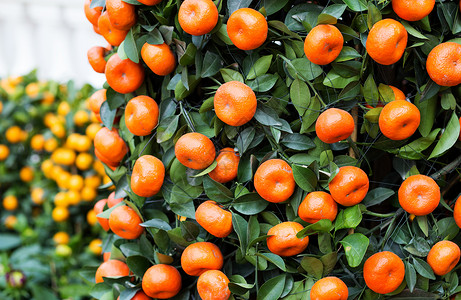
column 278, row 149
column 47, row 183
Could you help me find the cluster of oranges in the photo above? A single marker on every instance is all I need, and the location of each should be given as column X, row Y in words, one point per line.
column 205, row 141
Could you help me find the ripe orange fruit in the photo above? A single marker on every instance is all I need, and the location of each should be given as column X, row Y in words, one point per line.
column 227, row 167
column 349, row 186
column 419, row 195
column 317, row 206
column 88, row 194
column 26, row 174
column 63, row 109
column 75, row 182
column 4, row 152
column 274, row 180
column 111, row 34
column 124, row 76
column 111, row 268
column 399, row 119
column 141, row 115
column 61, row 238
column 91, row 217
column 334, row 125
column 92, row 130
column 60, row 214
column 443, row 257
column 457, row 212
column 150, row 2
column 10, row 222
column 247, row 28
column 96, row 59
column 443, row 64
column 398, row 94
column 37, row 195
column 51, row 144
column 387, row 41
column 99, row 208
column 63, row 156
column 235, row 103
column 109, row 147
column 284, row 242
column 148, row 175
column 140, row 295
column 213, row 285
column 95, row 246
column 92, row 14
column 84, row 161
column 194, row 150
column 161, row 281
column 383, row 272
column 95, row 101
column 14, row 135
column 411, row 10
column 112, row 201
column 200, row 257
column 81, row 117
column 37, row 142
column 106, row 256
column 323, row 44
column 124, row 222
column 214, row 219
column 198, row 17
column 159, row 58
column 331, row 288
column 122, row 15
column 10, row 202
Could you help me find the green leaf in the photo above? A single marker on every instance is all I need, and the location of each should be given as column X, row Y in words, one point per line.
column 300, row 96
column 107, row 115
column 370, row 91
column 260, row 67
column 233, row 5
column 313, row 266
column 216, row 191
column 156, row 223
column 130, row 48
column 374, row 15
column 272, row 289
column 250, row 204
column 413, row 150
column 449, row 137
column 323, row 225
column 138, row 264
column 428, row 110
column 412, row 31
column 240, row 227
column 334, row 80
column 422, row 223
column 377, row 196
column 9, row 241
column 244, row 139
column 114, row 99
column 305, row 178
column 211, row 64
column 167, row 128
column 447, row 228
column 298, row 142
column 356, row 5
column 346, row 54
column 305, row 69
column 329, row 261
column 410, row 276
column 267, row 116
column 331, row 14
column 188, row 58
column 348, row 218
column 423, row 268
column 273, row 6
column 231, row 75
column 355, row 246
column 273, row 258
column 263, row 83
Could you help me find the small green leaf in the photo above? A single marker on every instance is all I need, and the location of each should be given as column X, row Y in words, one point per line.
column 273, row 258
column 272, row 289
column 410, row 276
column 313, row 266
column 305, row 178
column 323, row 225
column 250, row 204
column 331, row 14
column 355, row 246
column 211, row 64
column 300, row 96
column 260, row 67
column 216, row 191
column 423, row 268
column 107, row 115
column 231, row 75
column 449, row 137
column 156, row 223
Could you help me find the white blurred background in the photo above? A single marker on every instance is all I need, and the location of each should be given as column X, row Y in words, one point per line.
column 52, row 36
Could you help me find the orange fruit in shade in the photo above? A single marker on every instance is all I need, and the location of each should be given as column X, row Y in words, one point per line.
column 141, row 115
column 443, row 64
column 247, row 28
column 4, row 152
column 60, row 214
column 140, row 295
column 419, row 195
column 198, row 17
column 323, row 44
column 95, row 101
column 37, row 195
column 26, row 174
column 200, row 257
column 148, row 175
column 124, row 76
column 99, row 208
column 214, row 219
column 159, row 58
column 124, row 222
column 122, row 15
column 111, row 34
column 284, row 242
column 91, row 217
column 61, row 238
column 194, row 150
column 92, row 14
column 213, row 285
column 349, row 186
column 317, row 206
column 37, row 142
column 334, row 125
column 161, row 281
column 274, row 180
column 10, row 202
column 383, row 272
column 398, row 94
column 150, row 2
column 111, row 268
column 96, row 59
column 331, row 288
column 412, row 10
column 387, row 41
column 235, row 103
column 112, row 201
column 10, row 222
column 457, row 212
column 399, row 119
column 227, row 167
column 443, row 257
column 110, row 148
column 95, row 246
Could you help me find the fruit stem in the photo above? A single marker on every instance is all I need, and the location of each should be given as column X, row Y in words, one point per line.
column 447, row 169
column 355, row 114
column 186, row 117
column 379, row 215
